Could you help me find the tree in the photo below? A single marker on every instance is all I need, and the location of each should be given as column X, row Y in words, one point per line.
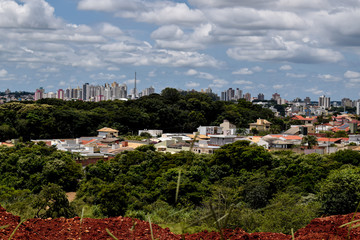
column 113, row 200
column 52, row 202
column 310, row 140
column 339, row 193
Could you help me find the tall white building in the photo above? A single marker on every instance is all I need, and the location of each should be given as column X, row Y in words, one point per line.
column 324, row 101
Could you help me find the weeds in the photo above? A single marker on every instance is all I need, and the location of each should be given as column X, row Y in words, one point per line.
column 17, row 227
column 111, row 235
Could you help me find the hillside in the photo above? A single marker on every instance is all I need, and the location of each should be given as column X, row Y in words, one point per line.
column 128, row 228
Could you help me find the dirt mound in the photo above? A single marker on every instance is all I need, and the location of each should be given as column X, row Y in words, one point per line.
column 127, row 228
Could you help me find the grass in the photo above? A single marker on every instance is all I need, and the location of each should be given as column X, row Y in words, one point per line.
column 17, row 227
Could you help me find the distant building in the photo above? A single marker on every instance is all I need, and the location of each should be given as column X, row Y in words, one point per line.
column 261, row 97
column 307, row 100
column 60, row 94
column 324, row 102
column 260, row 125
column 39, row 94
column 275, row 96
column 247, row 97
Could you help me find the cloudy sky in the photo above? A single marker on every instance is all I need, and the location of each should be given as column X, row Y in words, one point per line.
column 297, row 48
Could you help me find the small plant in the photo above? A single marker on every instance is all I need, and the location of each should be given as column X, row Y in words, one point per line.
column 151, row 230
column 17, row 227
column 178, row 186
column 111, row 235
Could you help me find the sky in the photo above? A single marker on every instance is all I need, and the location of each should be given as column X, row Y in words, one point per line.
column 297, row 48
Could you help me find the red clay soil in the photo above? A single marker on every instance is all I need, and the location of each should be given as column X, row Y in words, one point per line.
column 127, row 228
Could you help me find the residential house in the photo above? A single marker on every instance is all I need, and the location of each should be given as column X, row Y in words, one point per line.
column 152, row 132
column 260, row 125
column 108, row 133
column 209, row 130
column 305, row 120
column 228, row 128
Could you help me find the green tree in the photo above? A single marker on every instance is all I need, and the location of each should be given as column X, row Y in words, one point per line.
column 52, row 202
column 339, row 193
column 112, row 200
column 309, row 140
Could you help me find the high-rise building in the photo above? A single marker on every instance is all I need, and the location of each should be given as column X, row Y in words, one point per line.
column 39, row 93
column 346, row 102
column 275, row 96
column 247, row 96
column 307, row 100
column 324, row 101
column 261, row 96
column 60, row 94
column 238, row 94
column 358, row 107
column 86, row 90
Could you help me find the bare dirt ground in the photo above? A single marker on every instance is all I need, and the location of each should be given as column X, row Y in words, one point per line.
column 127, row 228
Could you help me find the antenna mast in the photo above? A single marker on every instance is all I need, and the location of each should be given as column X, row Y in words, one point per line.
column 135, row 86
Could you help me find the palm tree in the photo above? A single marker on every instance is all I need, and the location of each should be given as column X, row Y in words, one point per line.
column 310, row 140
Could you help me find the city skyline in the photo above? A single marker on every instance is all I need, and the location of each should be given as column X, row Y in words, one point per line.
column 295, row 48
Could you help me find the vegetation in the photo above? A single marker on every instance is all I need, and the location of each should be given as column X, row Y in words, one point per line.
column 242, row 185
column 245, row 185
column 170, row 111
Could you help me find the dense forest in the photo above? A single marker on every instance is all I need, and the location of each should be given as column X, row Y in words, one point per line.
column 243, row 185
column 171, row 111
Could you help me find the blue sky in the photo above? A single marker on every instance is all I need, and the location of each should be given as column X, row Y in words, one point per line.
column 297, row 48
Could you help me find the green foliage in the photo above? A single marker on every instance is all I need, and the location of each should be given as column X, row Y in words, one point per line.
column 112, row 200
column 339, row 193
column 52, row 202
column 346, row 157
column 287, row 211
column 309, row 140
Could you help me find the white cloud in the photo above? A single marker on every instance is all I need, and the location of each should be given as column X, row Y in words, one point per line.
column 285, row 67
column 257, row 69
column 293, row 75
column 315, row 91
column 203, row 75
column 329, row 78
column 351, row 74
column 243, row 71
column 191, row 72
column 49, row 69
column 3, row 73
column 192, row 84
column 278, row 86
column 218, row 83
column 31, row 14
column 242, row 82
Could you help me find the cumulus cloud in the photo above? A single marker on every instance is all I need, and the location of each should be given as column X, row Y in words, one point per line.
column 218, row 83
column 3, row 73
column 192, row 84
column 278, row 86
column 31, row 14
column 351, row 74
column 204, row 75
column 242, row 82
column 243, row 71
column 329, row 78
column 293, row 75
column 285, row 67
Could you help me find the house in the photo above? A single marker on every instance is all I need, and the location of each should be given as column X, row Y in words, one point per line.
column 209, row 130
column 152, row 132
column 305, row 120
column 354, row 139
column 260, row 125
column 300, row 129
column 108, row 133
column 219, row 140
column 228, row 128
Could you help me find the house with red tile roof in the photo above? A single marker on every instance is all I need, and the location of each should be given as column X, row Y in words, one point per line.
column 305, row 120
